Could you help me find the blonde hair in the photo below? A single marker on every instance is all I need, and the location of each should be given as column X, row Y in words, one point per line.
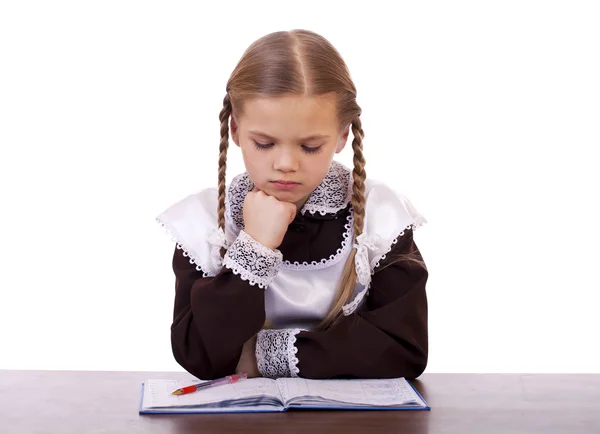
column 299, row 62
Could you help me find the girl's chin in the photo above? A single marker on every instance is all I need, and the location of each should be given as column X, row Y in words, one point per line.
column 285, row 196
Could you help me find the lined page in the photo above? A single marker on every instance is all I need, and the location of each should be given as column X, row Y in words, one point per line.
column 386, row 392
column 157, row 393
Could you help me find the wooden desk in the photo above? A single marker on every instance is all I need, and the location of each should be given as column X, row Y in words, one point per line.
column 67, row 402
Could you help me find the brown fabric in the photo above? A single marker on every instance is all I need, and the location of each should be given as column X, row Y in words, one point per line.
column 388, row 337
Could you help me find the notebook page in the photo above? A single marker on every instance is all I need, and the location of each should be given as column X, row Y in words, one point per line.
column 386, row 392
column 157, row 393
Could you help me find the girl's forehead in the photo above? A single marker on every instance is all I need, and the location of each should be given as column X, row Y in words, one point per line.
column 290, row 115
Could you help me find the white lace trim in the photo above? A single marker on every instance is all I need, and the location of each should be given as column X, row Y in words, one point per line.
column 340, row 254
column 376, row 261
column 240, row 186
column 276, row 353
column 186, row 250
column 217, row 241
column 252, row 261
column 333, row 193
column 363, row 244
column 351, row 307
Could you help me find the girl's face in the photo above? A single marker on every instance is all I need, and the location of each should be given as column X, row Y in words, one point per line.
column 288, row 143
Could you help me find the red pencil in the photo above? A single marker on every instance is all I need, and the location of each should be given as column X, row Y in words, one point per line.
column 230, row 379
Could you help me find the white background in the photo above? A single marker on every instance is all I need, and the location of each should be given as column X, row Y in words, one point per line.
column 485, row 114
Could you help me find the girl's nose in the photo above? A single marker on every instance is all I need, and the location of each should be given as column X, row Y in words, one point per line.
column 286, row 161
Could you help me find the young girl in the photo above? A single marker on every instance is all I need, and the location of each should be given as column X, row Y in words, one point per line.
column 301, row 266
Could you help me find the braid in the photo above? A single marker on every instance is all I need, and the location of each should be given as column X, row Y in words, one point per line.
column 224, row 118
column 358, row 175
column 348, row 280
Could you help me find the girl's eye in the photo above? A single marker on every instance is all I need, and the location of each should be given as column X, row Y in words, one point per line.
column 310, row 150
column 307, row 149
column 262, row 146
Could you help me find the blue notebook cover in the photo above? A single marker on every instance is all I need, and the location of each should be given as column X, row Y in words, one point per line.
column 276, row 409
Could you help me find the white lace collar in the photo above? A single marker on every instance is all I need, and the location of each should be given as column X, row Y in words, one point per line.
column 332, row 195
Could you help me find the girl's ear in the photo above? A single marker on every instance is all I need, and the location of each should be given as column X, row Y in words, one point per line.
column 341, row 144
column 233, row 126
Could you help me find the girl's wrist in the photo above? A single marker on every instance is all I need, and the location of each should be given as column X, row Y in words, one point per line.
column 261, row 240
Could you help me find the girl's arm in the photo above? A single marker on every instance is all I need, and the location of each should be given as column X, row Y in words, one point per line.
column 215, row 316
column 388, row 338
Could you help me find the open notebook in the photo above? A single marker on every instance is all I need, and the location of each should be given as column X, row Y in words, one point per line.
column 268, row 395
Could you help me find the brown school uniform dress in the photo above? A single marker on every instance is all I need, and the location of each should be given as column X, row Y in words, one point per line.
column 221, row 304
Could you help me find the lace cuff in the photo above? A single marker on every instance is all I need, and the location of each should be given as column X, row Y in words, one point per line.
column 252, row 261
column 276, row 353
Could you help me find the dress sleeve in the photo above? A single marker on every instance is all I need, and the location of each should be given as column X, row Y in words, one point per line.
column 214, row 316
column 387, row 338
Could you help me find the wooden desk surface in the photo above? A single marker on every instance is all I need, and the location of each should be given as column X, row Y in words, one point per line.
column 67, row 402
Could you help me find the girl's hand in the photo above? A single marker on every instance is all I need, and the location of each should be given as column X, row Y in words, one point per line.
column 247, row 362
column 266, row 219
